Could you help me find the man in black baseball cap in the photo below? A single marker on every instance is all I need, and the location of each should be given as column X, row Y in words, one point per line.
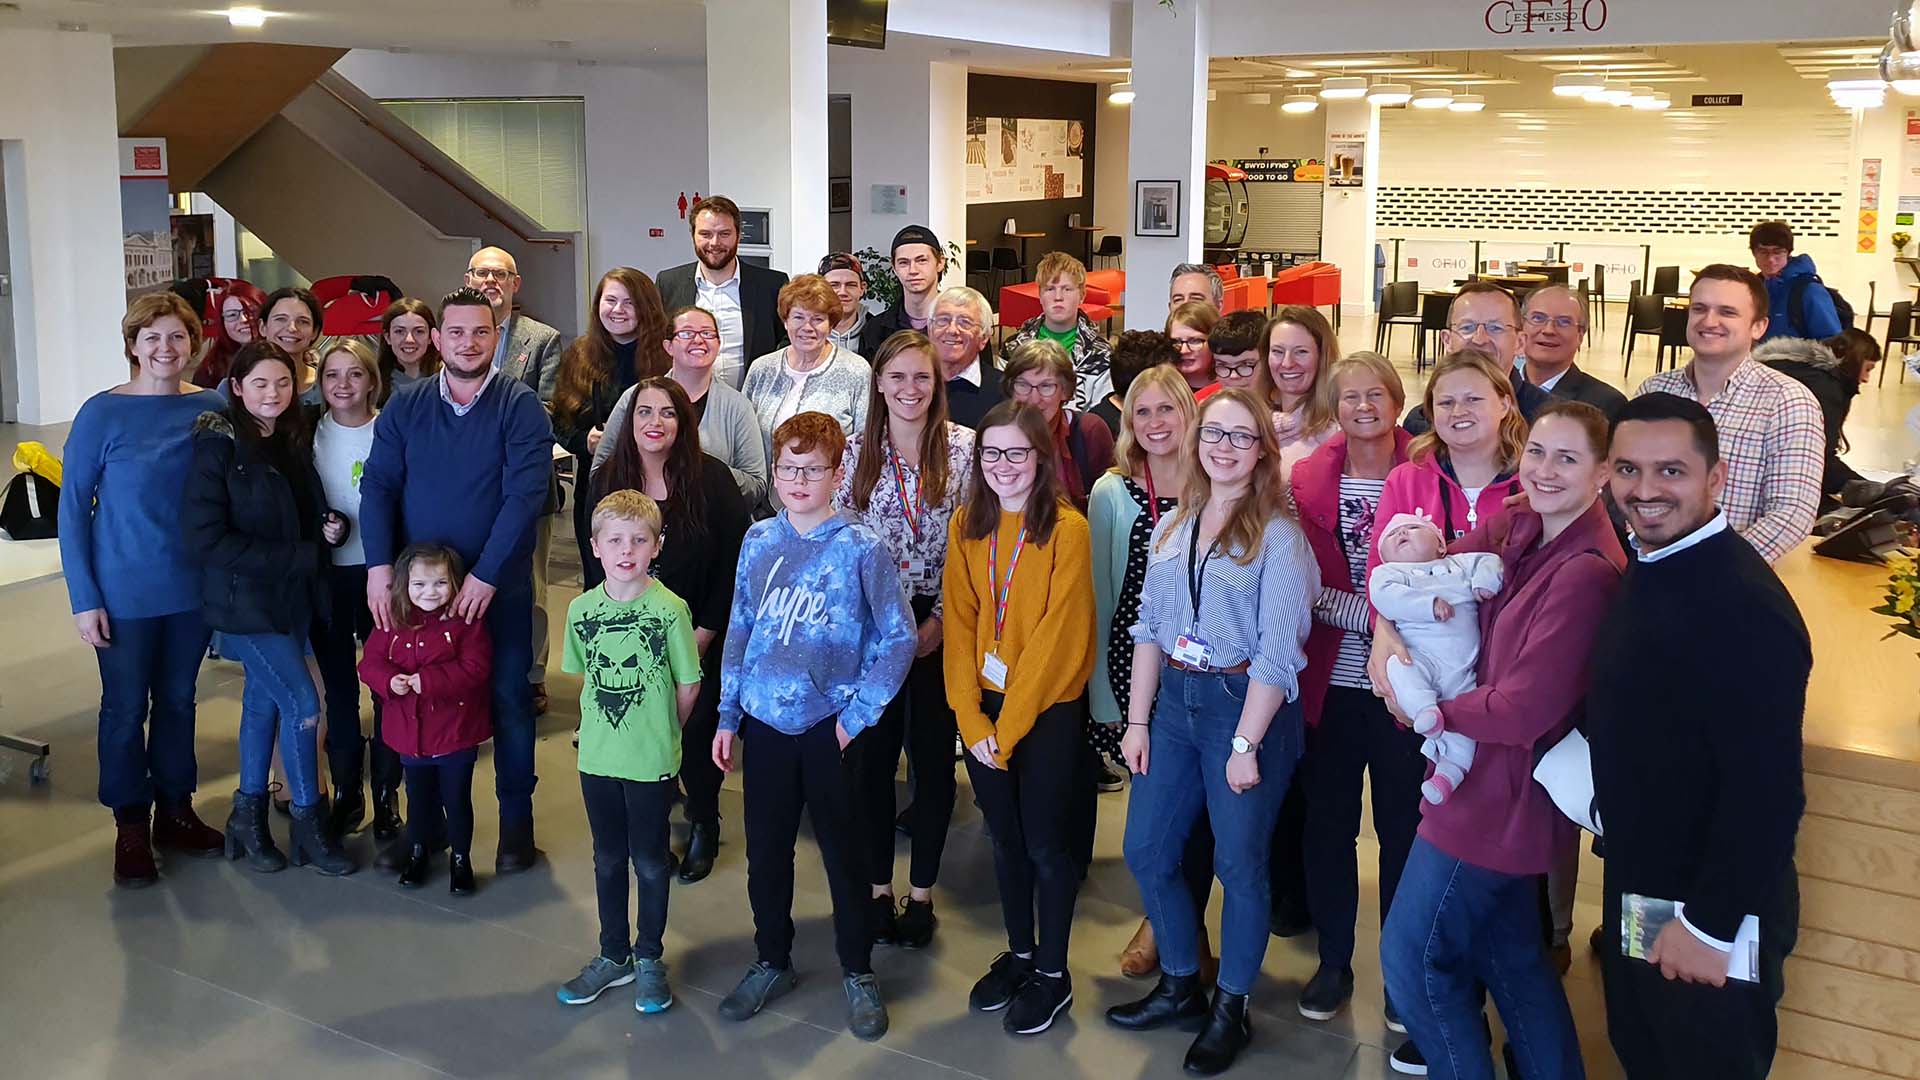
column 919, row 262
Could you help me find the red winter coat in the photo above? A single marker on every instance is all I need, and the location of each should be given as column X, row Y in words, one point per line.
column 454, row 708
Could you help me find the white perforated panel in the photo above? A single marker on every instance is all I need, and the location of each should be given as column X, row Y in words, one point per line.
column 1814, row 214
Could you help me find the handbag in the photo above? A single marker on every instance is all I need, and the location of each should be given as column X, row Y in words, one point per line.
column 30, row 507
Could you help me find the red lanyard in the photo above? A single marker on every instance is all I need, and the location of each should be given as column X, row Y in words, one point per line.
column 1002, row 590
column 1153, row 503
column 914, row 507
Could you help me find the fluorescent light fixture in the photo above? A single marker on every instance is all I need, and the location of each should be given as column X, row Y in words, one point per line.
column 1432, row 99
column 1343, row 87
column 1262, row 98
column 1299, row 103
column 1860, row 99
column 246, row 18
column 1661, row 100
column 1640, row 97
column 1466, row 103
column 1389, row 93
column 1578, row 84
column 1613, row 93
column 1855, row 79
column 1121, row 93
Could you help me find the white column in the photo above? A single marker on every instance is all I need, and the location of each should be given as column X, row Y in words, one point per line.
column 767, row 118
column 947, row 161
column 1347, row 234
column 1166, row 140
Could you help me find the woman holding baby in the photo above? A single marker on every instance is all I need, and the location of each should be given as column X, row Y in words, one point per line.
column 1466, row 914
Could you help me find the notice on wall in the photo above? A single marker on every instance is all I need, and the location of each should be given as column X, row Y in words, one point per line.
column 147, row 235
column 1907, row 210
column 1010, row 160
column 889, row 198
column 1346, row 158
column 1283, row 170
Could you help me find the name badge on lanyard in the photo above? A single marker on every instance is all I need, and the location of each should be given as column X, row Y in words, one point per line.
column 992, row 668
column 918, row 571
column 1191, row 648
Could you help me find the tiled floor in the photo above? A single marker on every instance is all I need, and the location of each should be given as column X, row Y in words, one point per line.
column 218, row 970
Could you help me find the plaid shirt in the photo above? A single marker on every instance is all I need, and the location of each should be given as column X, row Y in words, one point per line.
column 1774, row 443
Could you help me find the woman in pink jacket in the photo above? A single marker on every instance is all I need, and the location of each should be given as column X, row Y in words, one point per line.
column 1467, row 911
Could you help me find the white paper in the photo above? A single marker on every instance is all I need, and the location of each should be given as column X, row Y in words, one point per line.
column 1566, row 771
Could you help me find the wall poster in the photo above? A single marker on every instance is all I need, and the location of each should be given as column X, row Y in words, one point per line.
column 1011, row 160
column 147, row 236
column 1346, row 158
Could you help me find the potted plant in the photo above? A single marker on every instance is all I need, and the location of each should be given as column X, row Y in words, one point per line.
column 1903, row 591
column 1900, row 242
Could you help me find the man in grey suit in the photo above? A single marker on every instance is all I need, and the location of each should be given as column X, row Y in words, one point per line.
column 744, row 299
column 529, row 351
column 1553, row 323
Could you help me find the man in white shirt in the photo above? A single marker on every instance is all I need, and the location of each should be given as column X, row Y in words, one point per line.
column 743, row 298
column 960, row 327
column 1553, row 323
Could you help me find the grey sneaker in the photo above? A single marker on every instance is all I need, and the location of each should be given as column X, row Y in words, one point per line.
column 653, row 994
column 866, row 1014
column 594, row 980
column 762, row 983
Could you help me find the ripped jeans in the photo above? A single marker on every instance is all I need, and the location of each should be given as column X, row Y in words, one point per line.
column 279, row 702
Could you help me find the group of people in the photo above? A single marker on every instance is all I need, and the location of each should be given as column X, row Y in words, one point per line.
column 1211, row 557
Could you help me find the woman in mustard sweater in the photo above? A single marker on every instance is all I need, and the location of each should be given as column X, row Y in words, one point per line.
column 1018, row 594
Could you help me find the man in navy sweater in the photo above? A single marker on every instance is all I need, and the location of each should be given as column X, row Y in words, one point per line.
column 464, row 459
column 1699, row 688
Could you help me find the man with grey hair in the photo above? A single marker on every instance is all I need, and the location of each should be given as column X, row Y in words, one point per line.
column 1553, row 323
column 961, row 325
column 1195, row 281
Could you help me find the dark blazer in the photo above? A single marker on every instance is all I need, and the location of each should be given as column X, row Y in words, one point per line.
column 968, row 404
column 1577, row 385
column 759, row 305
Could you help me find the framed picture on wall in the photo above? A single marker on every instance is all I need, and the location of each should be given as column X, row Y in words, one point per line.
column 1156, row 208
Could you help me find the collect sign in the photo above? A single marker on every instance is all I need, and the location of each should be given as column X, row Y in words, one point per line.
column 1546, row 16
column 1705, row 101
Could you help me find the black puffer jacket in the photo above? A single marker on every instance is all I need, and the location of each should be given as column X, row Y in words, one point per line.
column 1813, row 365
column 261, row 559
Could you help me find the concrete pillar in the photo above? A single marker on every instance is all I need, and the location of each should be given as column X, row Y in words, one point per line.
column 1347, row 234
column 947, row 161
column 1166, row 140
column 767, row 118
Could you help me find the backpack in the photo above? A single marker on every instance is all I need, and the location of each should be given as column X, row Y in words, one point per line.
column 1797, row 303
column 29, row 510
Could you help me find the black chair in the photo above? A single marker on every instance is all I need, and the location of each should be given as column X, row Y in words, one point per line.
column 1899, row 332
column 979, row 264
column 1626, row 336
column 1005, row 261
column 1109, row 249
column 1673, row 335
column 1433, row 319
column 1399, row 305
column 1872, row 314
column 1645, row 318
column 1597, row 297
column 1666, row 281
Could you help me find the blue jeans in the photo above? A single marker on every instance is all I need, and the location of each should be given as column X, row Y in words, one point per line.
column 1194, row 717
column 279, row 700
column 147, row 674
column 1453, row 928
column 510, row 622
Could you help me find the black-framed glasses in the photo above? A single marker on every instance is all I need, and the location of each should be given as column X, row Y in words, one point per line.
column 1189, row 344
column 696, row 335
column 1016, row 455
column 1234, row 371
column 812, row 474
column 1239, row 440
column 1044, row 388
column 490, row 273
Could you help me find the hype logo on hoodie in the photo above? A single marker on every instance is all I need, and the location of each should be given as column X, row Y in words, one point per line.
column 791, row 605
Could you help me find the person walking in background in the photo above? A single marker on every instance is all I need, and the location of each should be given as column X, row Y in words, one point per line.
column 1800, row 304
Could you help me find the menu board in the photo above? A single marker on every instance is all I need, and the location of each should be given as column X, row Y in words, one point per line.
column 1012, row 160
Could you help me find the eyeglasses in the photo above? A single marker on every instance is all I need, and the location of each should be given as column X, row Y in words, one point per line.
column 696, row 335
column 1047, row 388
column 490, row 273
column 812, row 474
column 1234, row 371
column 1495, row 330
column 235, row 316
column 1189, row 344
column 941, row 322
column 1539, row 320
column 1015, row 455
column 1240, row 440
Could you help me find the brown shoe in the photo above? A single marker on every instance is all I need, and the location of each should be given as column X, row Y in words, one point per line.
column 133, row 865
column 177, row 827
column 1209, row 963
column 539, row 699
column 1141, row 957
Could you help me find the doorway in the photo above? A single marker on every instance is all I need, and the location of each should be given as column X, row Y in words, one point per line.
column 839, row 172
column 12, row 166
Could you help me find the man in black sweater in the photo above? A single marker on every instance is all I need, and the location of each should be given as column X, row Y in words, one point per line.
column 1699, row 686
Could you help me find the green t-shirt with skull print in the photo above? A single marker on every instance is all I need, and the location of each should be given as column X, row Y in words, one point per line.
column 631, row 657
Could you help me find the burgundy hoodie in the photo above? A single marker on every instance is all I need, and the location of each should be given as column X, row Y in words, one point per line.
column 1536, row 639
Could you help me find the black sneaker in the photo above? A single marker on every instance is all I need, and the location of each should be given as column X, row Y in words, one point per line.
column 1039, row 999
column 914, row 928
column 997, row 987
column 1406, row 1060
column 1393, row 1019
column 885, row 931
column 1326, row 993
column 1109, row 779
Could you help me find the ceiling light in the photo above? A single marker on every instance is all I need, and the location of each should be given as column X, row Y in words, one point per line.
column 1121, row 93
column 1262, row 98
column 1860, row 99
column 1388, row 93
column 1640, row 97
column 1299, row 103
column 1343, row 87
column 1467, row 103
column 1432, row 99
column 1855, row 79
column 1613, row 93
column 1578, row 84
column 1661, row 100
column 246, row 18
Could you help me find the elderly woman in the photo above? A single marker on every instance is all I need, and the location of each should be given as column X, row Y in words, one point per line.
column 1040, row 374
column 811, row 373
column 1063, row 287
column 960, row 327
column 849, row 281
column 135, row 592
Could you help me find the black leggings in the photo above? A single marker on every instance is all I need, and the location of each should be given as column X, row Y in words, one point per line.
column 336, row 641
column 920, row 718
column 628, row 820
column 440, row 800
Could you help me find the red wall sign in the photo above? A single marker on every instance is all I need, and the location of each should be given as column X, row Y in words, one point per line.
column 1546, row 16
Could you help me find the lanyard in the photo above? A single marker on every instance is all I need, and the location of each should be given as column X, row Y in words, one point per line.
column 1153, row 503
column 914, row 508
column 1002, row 590
column 1197, row 576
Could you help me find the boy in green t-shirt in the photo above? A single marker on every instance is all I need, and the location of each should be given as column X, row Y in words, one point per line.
column 631, row 641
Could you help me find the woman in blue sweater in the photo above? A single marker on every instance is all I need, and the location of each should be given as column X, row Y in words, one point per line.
column 135, row 596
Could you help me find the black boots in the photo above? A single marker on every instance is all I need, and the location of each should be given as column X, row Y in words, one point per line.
column 349, row 800
column 1176, row 1001
column 312, row 844
column 248, row 836
column 414, row 873
column 133, row 863
column 386, row 814
column 703, row 843
column 516, row 851
column 1228, row 1032
column 460, row 875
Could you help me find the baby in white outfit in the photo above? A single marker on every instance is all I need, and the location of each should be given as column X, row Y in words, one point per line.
column 1432, row 599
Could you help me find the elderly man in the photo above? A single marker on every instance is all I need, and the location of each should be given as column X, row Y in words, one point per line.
column 1553, row 322
column 960, row 327
column 1484, row 317
column 1063, row 286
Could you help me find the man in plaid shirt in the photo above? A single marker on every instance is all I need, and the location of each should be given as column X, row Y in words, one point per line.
column 1770, row 427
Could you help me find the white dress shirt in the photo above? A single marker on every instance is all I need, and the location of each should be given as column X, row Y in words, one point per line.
column 723, row 299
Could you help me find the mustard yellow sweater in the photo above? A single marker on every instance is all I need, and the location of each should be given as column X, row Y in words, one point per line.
column 1048, row 638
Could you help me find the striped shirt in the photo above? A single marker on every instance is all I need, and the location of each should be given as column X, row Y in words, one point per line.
column 1257, row 613
column 1359, row 498
column 1773, row 440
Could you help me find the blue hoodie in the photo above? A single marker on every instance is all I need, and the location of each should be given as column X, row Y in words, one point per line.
column 1821, row 322
column 820, row 627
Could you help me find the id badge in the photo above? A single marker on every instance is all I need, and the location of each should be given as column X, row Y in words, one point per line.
column 994, row 670
column 917, row 571
column 1193, row 651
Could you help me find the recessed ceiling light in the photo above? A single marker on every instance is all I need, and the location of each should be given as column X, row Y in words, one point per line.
column 246, row 18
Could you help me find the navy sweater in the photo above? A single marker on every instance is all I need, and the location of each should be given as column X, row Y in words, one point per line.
column 473, row 482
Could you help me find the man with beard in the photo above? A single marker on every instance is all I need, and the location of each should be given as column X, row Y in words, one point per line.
column 918, row 263
column 465, row 458
column 744, row 298
column 960, row 327
column 1699, row 689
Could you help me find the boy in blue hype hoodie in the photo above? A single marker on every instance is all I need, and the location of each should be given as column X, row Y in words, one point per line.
column 820, row 639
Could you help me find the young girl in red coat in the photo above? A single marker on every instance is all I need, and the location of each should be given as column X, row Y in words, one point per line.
column 432, row 674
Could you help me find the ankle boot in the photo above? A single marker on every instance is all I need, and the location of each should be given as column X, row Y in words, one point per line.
column 311, row 844
column 1176, row 1001
column 1228, row 1032
column 349, row 803
column 460, row 875
column 386, row 814
column 177, row 827
column 1142, row 955
column 133, row 864
column 248, row 836
column 414, row 873
column 703, row 842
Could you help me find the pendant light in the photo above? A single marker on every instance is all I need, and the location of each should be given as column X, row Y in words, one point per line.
column 1343, row 87
column 1578, row 84
column 1432, row 99
column 1390, row 93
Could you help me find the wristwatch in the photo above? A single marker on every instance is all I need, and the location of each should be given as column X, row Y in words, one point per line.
column 1242, row 746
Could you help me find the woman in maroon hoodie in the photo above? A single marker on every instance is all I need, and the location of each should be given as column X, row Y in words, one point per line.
column 1467, row 913
column 1349, row 731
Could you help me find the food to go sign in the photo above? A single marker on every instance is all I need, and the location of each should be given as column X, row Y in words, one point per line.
column 1546, row 16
